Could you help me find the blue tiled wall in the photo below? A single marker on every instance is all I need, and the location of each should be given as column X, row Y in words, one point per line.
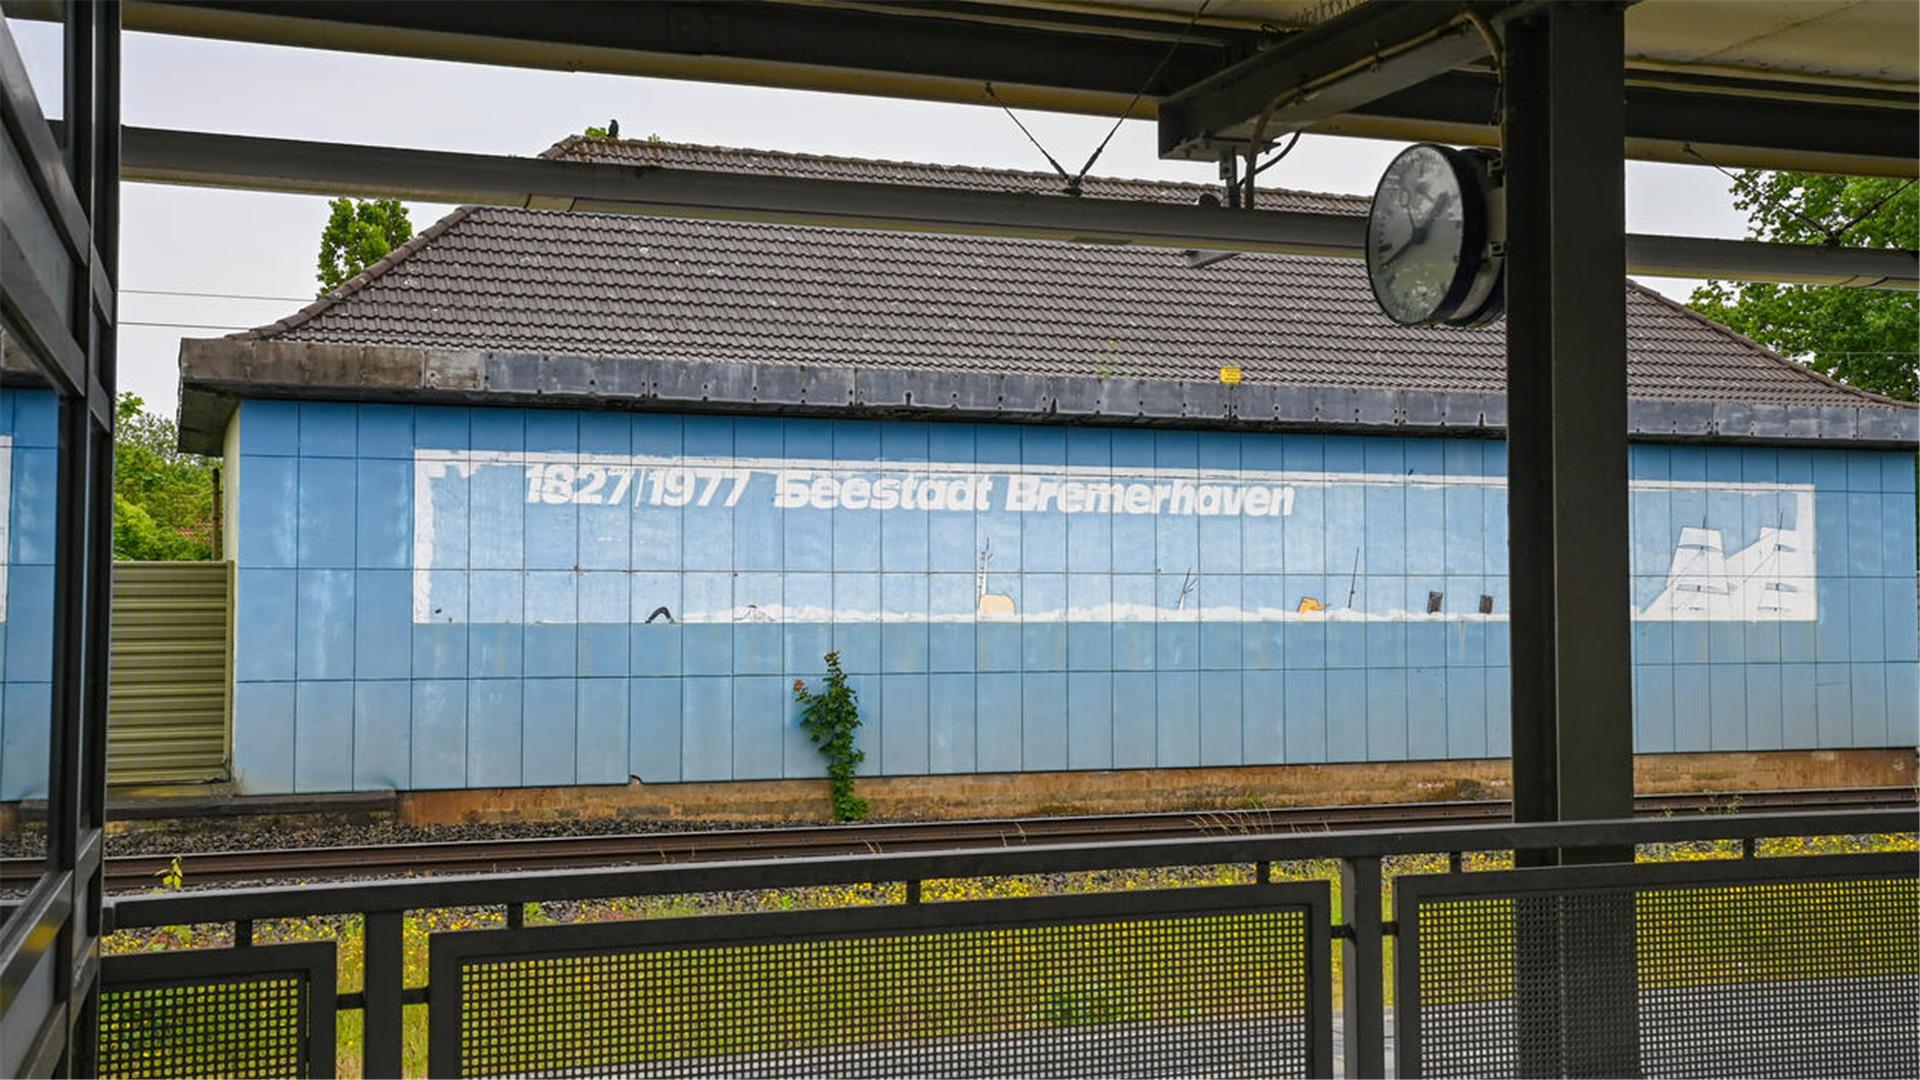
column 447, row 597
column 29, row 470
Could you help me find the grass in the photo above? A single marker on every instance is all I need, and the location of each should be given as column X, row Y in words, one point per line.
column 1046, row 981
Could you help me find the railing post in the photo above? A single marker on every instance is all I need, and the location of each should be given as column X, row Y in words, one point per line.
column 384, row 978
column 1363, row 1004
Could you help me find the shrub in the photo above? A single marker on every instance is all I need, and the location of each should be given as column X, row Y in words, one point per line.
column 831, row 718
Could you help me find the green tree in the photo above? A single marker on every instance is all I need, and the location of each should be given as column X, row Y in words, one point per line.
column 1866, row 338
column 162, row 497
column 359, row 232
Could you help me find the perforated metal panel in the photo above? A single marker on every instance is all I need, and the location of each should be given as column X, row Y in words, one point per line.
column 1193, row 982
column 1760, row 967
column 265, row 1011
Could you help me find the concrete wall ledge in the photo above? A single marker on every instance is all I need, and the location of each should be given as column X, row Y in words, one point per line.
column 1230, row 787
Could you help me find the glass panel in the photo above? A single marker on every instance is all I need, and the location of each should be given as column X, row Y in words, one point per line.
column 42, row 48
column 33, row 229
column 29, row 476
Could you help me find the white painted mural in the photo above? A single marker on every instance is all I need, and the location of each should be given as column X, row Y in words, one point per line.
column 1767, row 578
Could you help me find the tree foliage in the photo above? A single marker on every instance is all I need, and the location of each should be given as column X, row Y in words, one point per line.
column 1866, row 338
column 359, row 233
column 162, row 497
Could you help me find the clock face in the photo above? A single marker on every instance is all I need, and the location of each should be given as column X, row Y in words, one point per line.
column 1416, row 236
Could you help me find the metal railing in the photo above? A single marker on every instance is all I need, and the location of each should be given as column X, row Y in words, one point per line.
column 1783, row 964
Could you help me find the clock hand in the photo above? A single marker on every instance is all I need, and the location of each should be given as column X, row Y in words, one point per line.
column 1414, row 235
column 1397, row 253
column 1417, row 231
column 1440, row 202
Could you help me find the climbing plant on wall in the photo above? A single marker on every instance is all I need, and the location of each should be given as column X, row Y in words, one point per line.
column 831, row 718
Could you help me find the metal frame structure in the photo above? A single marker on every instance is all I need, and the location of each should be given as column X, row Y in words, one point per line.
column 451, row 953
column 256, row 163
column 1362, row 931
column 1059, row 57
column 1615, row 887
column 1359, row 56
column 1564, row 72
column 1567, row 414
column 158, row 988
column 58, row 265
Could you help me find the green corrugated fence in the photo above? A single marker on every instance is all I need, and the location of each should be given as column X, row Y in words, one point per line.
column 169, row 707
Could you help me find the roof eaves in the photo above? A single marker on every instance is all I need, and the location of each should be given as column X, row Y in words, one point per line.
column 216, row 372
column 359, row 281
column 1800, row 370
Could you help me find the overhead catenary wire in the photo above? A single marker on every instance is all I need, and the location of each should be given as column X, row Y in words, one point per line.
column 1074, row 179
column 1834, row 235
column 180, row 325
column 1072, row 184
column 215, row 295
column 1127, row 113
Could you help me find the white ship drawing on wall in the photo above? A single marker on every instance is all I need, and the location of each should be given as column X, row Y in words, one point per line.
column 1769, row 580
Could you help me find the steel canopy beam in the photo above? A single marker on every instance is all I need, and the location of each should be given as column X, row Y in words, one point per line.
column 1744, row 125
column 1047, row 59
column 236, row 161
column 1052, row 59
column 1348, row 62
column 1653, row 255
column 1752, row 260
column 249, row 162
column 1036, row 58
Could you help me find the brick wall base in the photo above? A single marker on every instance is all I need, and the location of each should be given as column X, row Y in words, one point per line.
column 993, row 795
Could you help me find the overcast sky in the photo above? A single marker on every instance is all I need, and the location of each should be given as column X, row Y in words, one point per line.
column 230, row 244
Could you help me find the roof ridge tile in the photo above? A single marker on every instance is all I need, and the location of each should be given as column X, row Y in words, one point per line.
column 592, row 148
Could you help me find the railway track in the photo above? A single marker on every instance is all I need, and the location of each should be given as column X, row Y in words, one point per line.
column 552, row 853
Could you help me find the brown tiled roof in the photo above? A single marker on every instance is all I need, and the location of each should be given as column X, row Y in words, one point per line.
column 649, row 288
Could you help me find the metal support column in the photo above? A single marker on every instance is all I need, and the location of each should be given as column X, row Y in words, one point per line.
column 383, row 981
column 1565, row 183
column 1363, row 988
column 1567, row 414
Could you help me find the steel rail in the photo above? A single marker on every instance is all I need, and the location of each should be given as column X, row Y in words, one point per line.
column 574, row 852
column 396, row 894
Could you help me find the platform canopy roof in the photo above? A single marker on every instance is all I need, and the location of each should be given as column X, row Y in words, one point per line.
column 709, row 295
column 1799, row 84
column 1867, row 43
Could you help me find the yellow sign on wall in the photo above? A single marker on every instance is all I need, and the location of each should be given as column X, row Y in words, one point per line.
column 1229, row 374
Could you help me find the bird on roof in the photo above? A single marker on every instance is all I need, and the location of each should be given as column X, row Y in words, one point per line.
column 613, row 129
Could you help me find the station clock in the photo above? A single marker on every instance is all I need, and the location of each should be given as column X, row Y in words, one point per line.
column 1436, row 238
